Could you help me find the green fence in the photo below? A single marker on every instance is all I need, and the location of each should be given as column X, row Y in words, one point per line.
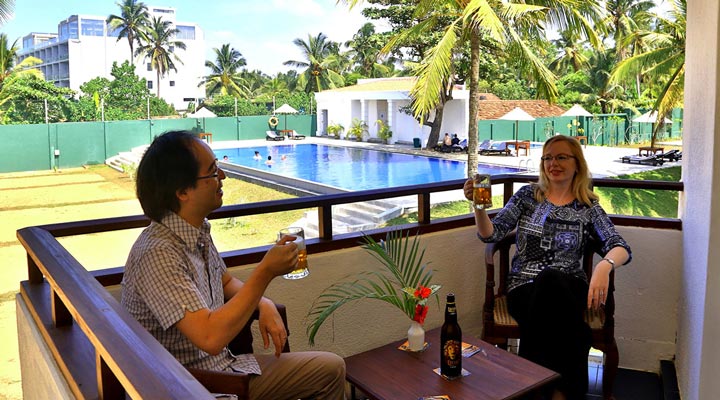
column 68, row 145
column 74, row 144
column 600, row 129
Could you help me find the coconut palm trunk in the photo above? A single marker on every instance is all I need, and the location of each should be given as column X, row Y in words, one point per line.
column 474, row 103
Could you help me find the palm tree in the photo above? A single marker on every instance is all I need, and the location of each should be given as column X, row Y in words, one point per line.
column 225, row 77
column 629, row 21
column 133, row 20
column 8, row 67
column 365, row 48
column 321, row 62
column 599, row 89
column 570, row 55
column 6, row 9
column 664, row 62
column 624, row 17
column 159, row 48
column 513, row 26
column 7, row 57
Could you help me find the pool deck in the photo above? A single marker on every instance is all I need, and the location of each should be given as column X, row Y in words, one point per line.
column 603, row 161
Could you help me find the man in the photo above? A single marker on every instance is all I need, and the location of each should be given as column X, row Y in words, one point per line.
column 177, row 286
column 455, row 140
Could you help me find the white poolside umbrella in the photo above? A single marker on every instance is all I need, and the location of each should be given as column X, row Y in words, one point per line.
column 651, row 117
column 202, row 113
column 285, row 109
column 517, row 114
column 577, row 111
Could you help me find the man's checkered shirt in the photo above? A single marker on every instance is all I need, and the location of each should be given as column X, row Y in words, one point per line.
column 174, row 267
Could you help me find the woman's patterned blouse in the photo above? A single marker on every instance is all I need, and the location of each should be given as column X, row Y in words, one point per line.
column 550, row 236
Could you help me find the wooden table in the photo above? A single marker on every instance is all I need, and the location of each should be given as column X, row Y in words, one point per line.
column 207, row 136
column 387, row 373
column 286, row 132
column 649, row 149
column 581, row 138
column 520, row 144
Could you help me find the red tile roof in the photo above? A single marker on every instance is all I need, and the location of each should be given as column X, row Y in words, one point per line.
column 494, row 109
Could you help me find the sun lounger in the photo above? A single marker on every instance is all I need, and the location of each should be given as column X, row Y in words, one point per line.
column 647, row 160
column 672, row 155
column 489, row 148
column 271, row 135
column 295, row 135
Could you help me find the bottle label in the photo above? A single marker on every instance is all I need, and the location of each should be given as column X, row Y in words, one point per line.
column 452, row 353
column 451, row 309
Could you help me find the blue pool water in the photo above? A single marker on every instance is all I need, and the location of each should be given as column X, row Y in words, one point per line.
column 353, row 168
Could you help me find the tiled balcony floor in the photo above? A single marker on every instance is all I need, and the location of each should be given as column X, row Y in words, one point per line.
column 629, row 385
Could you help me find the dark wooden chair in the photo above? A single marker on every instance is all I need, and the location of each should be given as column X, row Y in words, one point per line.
column 499, row 326
column 232, row 382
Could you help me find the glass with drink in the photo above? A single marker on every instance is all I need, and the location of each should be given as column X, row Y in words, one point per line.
column 482, row 191
column 302, row 268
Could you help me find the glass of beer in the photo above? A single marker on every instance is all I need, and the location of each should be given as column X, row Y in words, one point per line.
column 482, row 191
column 302, row 268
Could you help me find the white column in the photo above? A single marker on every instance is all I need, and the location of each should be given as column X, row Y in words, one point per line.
column 698, row 354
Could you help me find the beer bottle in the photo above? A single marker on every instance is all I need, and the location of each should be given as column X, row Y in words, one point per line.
column 451, row 342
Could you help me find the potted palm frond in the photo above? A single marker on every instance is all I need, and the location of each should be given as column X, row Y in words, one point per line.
column 335, row 130
column 358, row 129
column 404, row 282
column 384, row 133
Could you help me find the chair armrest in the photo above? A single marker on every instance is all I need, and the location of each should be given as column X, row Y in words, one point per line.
column 234, row 382
column 223, row 382
column 243, row 342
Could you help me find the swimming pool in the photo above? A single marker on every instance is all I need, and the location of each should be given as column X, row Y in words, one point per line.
column 353, row 168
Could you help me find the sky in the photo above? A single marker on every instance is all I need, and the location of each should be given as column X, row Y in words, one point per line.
column 263, row 31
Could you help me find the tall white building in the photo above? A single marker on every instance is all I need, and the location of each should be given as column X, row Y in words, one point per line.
column 85, row 47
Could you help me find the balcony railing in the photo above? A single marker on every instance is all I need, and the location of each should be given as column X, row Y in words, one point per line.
column 103, row 352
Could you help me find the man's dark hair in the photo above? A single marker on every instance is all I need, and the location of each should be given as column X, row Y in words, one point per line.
column 169, row 165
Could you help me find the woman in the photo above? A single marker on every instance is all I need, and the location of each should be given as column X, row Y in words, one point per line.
column 547, row 289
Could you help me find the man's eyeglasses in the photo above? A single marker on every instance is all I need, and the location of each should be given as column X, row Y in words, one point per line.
column 558, row 158
column 214, row 175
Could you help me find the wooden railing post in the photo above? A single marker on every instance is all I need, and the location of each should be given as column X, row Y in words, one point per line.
column 424, row 208
column 35, row 276
column 60, row 314
column 109, row 387
column 325, row 222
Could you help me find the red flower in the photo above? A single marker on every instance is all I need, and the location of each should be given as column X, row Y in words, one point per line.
column 422, row 292
column 420, row 313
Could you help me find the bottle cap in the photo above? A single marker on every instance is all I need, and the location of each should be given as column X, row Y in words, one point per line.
column 451, row 297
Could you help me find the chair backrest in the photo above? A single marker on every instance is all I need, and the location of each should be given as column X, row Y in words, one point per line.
column 485, row 144
column 499, row 145
column 271, row 134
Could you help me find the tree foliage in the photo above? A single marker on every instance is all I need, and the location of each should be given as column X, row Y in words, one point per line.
column 125, row 97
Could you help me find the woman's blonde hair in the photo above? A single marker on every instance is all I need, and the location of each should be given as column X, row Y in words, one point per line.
column 581, row 184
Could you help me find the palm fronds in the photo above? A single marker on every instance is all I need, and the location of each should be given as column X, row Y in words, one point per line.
column 404, row 271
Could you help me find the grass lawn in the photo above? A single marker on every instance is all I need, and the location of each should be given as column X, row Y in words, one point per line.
column 634, row 202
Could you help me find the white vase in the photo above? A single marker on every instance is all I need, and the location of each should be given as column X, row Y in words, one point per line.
column 416, row 337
